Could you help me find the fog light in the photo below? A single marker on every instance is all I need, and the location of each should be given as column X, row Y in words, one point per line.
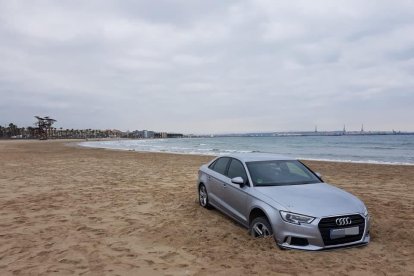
column 299, row 241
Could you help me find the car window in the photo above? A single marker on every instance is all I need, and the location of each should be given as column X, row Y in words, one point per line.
column 220, row 165
column 293, row 168
column 280, row 172
column 212, row 165
column 236, row 169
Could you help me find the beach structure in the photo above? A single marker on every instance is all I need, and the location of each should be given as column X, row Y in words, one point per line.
column 44, row 126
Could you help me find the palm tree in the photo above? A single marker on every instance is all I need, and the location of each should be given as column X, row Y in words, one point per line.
column 12, row 129
column 30, row 131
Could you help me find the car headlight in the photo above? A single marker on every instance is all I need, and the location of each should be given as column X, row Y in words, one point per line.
column 295, row 218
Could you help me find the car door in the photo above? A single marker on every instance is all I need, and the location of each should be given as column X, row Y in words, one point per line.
column 216, row 180
column 234, row 195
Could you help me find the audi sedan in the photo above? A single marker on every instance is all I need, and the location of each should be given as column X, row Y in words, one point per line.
column 277, row 196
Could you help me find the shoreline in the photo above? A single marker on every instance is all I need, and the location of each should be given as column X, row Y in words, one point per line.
column 371, row 162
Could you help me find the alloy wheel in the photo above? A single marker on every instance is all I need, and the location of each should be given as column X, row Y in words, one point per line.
column 203, row 196
column 260, row 230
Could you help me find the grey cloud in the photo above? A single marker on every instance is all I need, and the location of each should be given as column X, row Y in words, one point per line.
column 204, row 66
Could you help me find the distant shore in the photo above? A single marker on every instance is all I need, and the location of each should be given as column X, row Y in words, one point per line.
column 66, row 209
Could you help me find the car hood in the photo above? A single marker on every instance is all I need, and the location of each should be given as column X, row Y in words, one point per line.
column 317, row 200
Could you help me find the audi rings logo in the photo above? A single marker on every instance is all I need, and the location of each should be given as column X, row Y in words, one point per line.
column 343, row 221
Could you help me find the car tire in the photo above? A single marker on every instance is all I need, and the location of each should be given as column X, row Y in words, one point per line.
column 203, row 197
column 260, row 228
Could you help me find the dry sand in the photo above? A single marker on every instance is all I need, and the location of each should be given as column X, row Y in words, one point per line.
column 71, row 210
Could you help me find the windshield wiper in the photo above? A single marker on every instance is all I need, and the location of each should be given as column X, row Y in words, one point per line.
column 265, row 185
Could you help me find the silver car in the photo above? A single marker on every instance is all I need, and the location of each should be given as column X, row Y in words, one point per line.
column 280, row 196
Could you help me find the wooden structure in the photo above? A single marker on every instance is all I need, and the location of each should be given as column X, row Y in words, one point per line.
column 44, row 126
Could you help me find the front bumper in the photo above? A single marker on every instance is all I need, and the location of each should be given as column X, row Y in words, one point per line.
column 315, row 236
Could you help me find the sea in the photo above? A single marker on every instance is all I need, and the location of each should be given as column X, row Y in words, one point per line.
column 378, row 149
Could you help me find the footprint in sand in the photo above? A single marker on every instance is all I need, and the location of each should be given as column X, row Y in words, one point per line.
column 150, row 262
column 169, row 255
column 69, row 261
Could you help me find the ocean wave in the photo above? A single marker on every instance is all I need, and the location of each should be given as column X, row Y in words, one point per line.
column 357, row 161
column 216, row 147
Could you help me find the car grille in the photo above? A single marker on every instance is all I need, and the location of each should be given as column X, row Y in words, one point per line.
column 326, row 224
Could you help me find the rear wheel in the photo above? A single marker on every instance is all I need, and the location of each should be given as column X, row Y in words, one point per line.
column 260, row 228
column 203, row 197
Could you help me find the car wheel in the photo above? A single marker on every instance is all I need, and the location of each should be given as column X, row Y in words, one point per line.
column 260, row 228
column 203, row 197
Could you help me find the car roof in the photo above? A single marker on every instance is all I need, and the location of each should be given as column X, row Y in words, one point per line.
column 257, row 156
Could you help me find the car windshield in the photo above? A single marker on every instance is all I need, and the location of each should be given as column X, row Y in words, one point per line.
column 280, row 172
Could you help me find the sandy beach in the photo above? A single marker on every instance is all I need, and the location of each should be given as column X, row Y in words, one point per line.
column 81, row 211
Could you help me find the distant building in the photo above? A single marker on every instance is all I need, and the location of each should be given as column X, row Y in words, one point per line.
column 148, row 134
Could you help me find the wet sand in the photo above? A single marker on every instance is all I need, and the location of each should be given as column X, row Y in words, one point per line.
column 71, row 210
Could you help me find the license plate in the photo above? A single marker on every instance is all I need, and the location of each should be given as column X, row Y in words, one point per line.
column 340, row 233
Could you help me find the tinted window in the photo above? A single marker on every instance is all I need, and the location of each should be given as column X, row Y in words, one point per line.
column 236, row 169
column 274, row 173
column 220, row 165
column 212, row 165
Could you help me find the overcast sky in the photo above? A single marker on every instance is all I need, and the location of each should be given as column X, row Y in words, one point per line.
column 208, row 66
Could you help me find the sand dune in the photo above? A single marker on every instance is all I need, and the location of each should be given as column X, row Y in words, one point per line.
column 71, row 210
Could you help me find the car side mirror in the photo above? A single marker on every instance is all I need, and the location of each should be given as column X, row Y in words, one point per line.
column 238, row 180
